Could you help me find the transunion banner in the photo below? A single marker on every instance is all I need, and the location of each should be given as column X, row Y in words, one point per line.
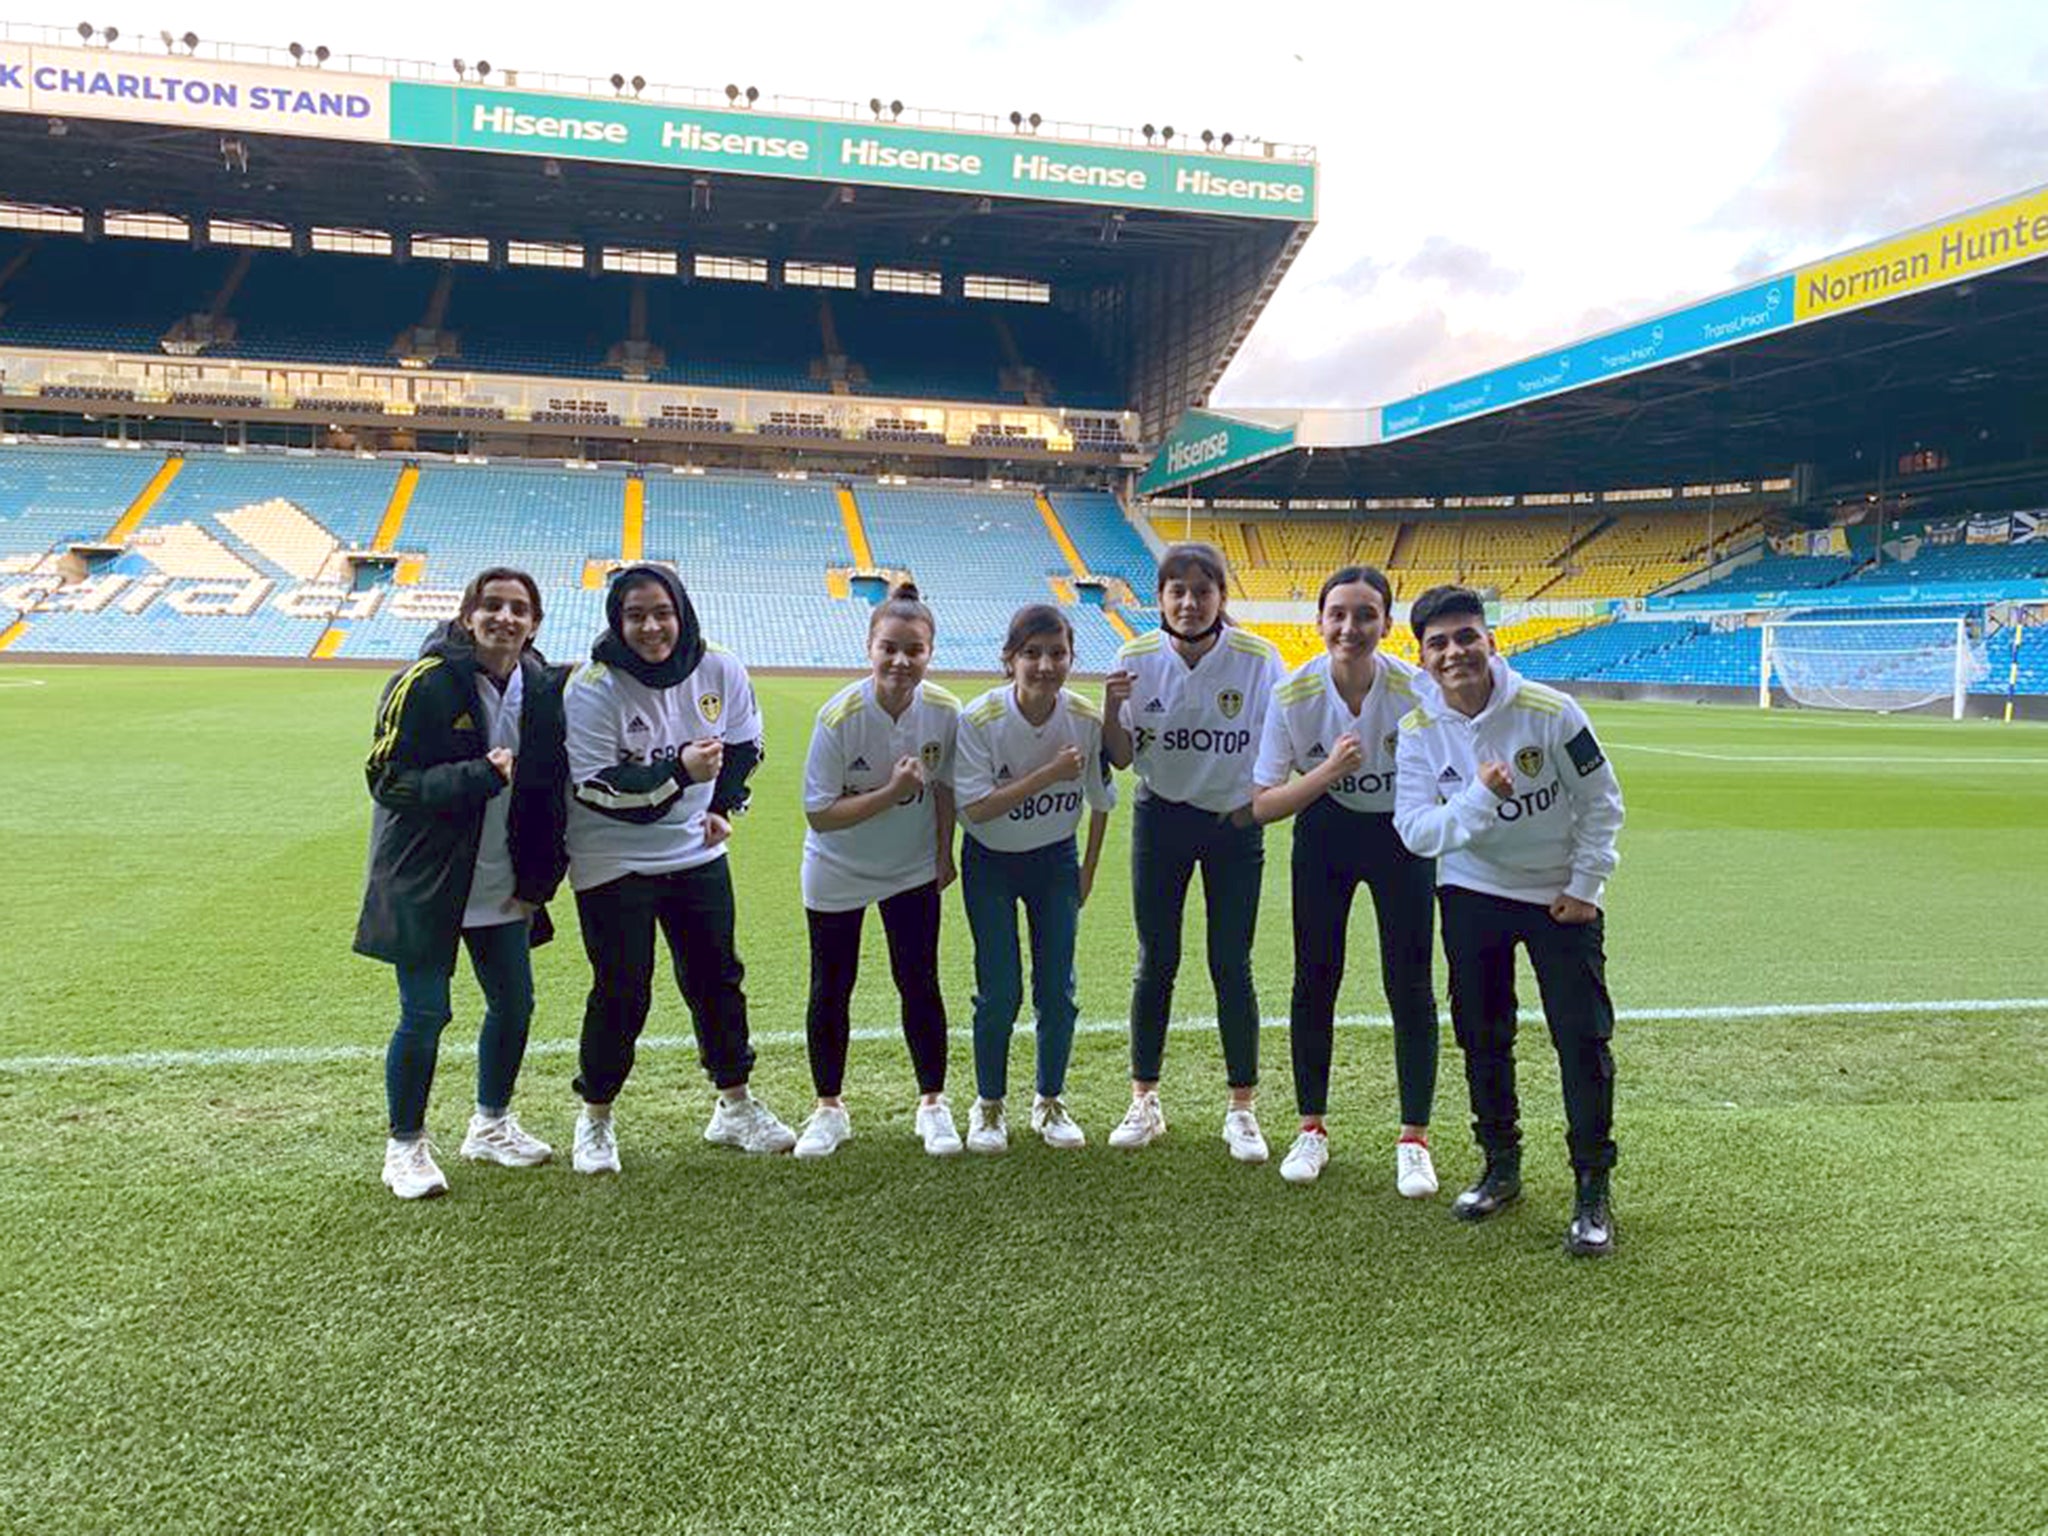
column 193, row 93
column 1205, row 442
column 1716, row 323
column 877, row 154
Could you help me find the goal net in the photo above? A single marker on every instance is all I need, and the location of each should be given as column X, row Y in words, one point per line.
column 1882, row 665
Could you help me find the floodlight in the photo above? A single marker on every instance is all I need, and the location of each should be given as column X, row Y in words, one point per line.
column 1227, row 141
column 1208, row 138
column 112, row 35
column 190, row 40
column 875, row 106
column 86, row 30
column 168, row 40
column 1166, row 133
column 895, row 109
column 461, row 69
column 732, row 93
column 297, row 51
column 618, row 82
column 1034, row 120
column 483, row 69
column 1017, row 120
column 1150, row 132
column 753, row 95
column 639, row 84
column 322, row 54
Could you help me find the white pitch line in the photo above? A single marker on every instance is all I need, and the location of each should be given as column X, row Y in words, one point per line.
column 1826, row 757
column 314, row 1055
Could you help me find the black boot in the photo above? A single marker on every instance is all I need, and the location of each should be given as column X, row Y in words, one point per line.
column 1591, row 1233
column 1499, row 1185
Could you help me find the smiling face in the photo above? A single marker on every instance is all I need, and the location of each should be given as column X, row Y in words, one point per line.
column 1456, row 650
column 1352, row 620
column 1191, row 602
column 899, row 651
column 649, row 622
column 502, row 622
column 1042, row 663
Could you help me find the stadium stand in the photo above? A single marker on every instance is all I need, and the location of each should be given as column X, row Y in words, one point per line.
column 1108, row 544
column 53, row 497
column 554, row 521
column 745, row 534
column 961, row 541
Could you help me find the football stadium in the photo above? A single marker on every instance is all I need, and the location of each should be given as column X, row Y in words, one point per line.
column 295, row 348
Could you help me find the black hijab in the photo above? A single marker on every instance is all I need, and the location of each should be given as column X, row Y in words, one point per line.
column 611, row 647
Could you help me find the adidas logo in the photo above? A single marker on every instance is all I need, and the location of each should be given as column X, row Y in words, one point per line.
column 1155, row 707
column 1316, row 753
column 639, row 727
column 1450, row 776
column 859, row 765
column 463, row 722
column 1003, row 774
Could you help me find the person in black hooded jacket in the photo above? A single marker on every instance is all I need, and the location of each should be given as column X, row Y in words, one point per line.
column 663, row 734
column 468, row 774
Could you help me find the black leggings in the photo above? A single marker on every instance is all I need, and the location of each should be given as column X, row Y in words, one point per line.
column 1335, row 851
column 910, row 920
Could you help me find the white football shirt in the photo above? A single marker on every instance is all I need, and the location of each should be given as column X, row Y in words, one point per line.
column 1195, row 730
column 854, row 748
column 1308, row 715
column 615, row 718
column 998, row 746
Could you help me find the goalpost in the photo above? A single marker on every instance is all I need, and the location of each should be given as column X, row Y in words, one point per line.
column 1882, row 665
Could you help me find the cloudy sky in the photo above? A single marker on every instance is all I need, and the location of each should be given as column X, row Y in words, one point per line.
column 1497, row 177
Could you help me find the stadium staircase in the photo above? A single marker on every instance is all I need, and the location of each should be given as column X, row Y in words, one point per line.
column 633, row 529
column 856, row 531
column 393, row 520
column 145, row 499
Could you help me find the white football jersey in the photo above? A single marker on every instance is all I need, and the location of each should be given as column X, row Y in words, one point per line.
column 998, row 745
column 1308, row 715
column 1195, row 730
column 614, row 718
column 854, row 748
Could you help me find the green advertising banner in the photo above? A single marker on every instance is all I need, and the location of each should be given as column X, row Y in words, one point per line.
column 1203, row 442
column 878, row 154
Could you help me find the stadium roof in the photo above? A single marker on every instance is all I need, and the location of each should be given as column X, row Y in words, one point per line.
column 1930, row 340
column 1172, row 247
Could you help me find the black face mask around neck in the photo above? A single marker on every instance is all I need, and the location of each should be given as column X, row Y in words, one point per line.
column 1194, row 639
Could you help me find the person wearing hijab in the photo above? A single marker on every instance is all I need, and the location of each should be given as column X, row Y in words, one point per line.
column 467, row 775
column 663, row 735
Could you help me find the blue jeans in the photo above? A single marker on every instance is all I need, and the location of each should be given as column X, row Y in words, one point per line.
column 1047, row 883
column 502, row 956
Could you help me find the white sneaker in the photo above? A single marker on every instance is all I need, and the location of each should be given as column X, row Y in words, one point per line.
column 597, row 1146
column 504, row 1141
column 825, row 1132
column 935, row 1126
column 1414, row 1173
column 1241, row 1135
column 1306, row 1159
column 988, row 1127
column 1050, row 1119
column 410, row 1171
column 1143, row 1123
column 748, row 1124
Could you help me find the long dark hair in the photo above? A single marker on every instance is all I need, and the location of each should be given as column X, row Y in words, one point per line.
column 1371, row 575
column 904, row 602
column 473, row 594
column 1027, row 624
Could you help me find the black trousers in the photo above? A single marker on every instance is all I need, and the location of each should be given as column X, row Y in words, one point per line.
column 1480, row 935
column 1335, row 851
column 694, row 910
column 1169, row 841
column 910, row 920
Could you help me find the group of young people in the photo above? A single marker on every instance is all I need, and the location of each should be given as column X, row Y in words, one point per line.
column 1458, row 787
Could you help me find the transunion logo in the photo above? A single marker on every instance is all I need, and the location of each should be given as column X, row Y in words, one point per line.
column 1203, row 450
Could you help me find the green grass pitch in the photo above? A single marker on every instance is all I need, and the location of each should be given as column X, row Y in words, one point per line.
column 1829, row 1312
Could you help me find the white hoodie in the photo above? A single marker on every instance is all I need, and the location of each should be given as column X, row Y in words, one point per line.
column 1554, row 836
